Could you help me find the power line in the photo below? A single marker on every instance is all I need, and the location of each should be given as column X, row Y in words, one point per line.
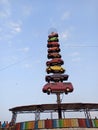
column 15, row 63
column 80, row 45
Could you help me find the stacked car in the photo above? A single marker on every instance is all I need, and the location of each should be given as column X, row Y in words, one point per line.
column 54, row 65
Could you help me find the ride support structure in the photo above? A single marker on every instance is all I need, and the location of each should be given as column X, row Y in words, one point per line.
column 56, row 84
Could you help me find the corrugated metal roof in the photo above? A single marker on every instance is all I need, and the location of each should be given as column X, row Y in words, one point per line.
column 54, row 107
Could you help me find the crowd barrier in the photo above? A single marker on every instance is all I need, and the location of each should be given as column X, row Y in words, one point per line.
column 55, row 123
column 58, row 123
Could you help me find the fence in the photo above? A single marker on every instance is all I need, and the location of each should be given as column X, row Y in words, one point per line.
column 55, row 123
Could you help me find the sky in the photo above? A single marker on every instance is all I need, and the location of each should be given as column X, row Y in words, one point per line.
column 24, row 29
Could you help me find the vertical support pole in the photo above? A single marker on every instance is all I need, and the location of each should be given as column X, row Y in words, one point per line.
column 51, row 116
column 87, row 114
column 13, row 120
column 64, row 114
column 37, row 115
column 59, row 106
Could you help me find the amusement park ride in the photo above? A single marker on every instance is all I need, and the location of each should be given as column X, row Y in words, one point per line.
column 57, row 83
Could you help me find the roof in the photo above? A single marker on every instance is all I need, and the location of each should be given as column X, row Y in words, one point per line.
column 54, row 107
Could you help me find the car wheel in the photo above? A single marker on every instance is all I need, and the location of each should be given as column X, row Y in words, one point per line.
column 48, row 72
column 48, row 91
column 61, row 80
column 66, row 92
column 47, row 63
column 48, row 79
column 62, row 70
column 61, row 63
column 48, row 56
column 58, row 56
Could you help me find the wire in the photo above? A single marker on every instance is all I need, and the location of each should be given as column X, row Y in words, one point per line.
column 15, row 63
column 80, row 45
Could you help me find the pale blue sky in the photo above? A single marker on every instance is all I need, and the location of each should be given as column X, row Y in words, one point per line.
column 24, row 27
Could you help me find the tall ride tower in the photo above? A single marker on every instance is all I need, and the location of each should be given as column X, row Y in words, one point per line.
column 55, row 82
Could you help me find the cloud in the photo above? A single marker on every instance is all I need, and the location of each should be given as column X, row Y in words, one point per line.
column 64, row 35
column 25, row 49
column 27, row 10
column 65, row 15
column 15, row 27
column 4, row 14
column 76, row 59
column 28, row 65
column 9, row 28
column 38, row 61
column 75, row 56
column 52, row 23
column 5, row 11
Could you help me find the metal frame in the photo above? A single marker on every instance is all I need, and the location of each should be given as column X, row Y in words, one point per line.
column 50, row 108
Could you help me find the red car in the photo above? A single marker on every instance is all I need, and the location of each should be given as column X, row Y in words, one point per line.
column 58, row 87
column 56, row 77
column 53, row 34
column 53, row 49
column 53, row 55
column 55, row 61
column 53, row 44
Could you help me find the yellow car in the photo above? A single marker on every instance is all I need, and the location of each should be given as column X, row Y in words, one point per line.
column 55, row 69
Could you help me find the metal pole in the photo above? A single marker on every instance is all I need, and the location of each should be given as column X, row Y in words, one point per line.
column 59, row 106
column 13, row 120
